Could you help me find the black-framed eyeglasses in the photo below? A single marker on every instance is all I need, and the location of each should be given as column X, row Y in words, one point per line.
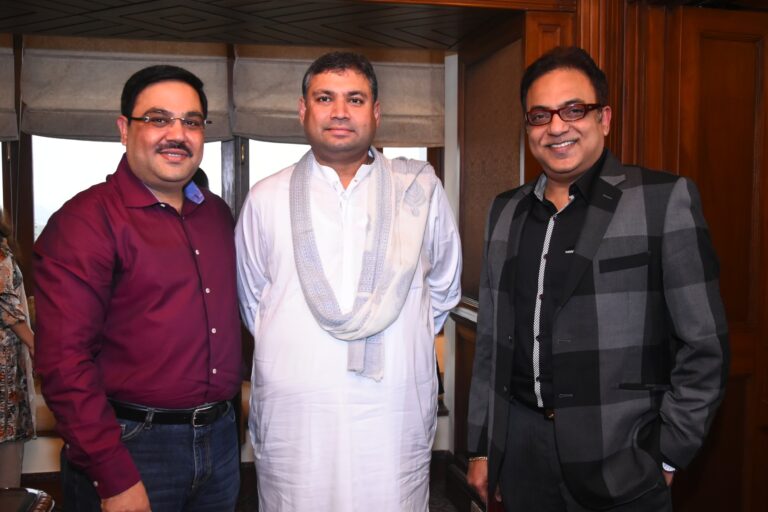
column 572, row 112
column 157, row 120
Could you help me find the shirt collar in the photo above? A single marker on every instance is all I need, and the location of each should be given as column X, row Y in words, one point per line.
column 193, row 193
column 136, row 194
column 582, row 185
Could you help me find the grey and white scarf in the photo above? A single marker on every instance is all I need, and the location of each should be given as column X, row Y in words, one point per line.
column 398, row 207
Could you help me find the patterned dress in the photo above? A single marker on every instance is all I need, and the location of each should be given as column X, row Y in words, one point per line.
column 15, row 414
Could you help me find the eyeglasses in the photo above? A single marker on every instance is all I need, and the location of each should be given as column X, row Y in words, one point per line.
column 162, row 121
column 572, row 112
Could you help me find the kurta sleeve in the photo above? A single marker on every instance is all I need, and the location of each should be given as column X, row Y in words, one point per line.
column 692, row 293
column 444, row 279
column 252, row 274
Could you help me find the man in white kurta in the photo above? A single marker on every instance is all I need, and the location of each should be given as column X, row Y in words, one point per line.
column 328, row 435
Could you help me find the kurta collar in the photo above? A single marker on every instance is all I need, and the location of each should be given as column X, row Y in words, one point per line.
column 332, row 177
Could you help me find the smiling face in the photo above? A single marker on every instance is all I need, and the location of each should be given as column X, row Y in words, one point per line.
column 566, row 150
column 339, row 117
column 164, row 158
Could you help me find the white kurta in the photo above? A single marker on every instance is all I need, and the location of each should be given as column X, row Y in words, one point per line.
column 325, row 438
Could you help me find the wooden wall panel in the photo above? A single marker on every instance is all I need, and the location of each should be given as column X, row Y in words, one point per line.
column 465, row 356
column 600, row 31
column 714, row 481
column 490, row 146
column 646, row 43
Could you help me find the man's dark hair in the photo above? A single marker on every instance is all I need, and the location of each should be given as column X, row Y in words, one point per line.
column 341, row 61
column 565, row 57
column 160, row 73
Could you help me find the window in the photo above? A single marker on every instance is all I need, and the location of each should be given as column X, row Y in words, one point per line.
column 267, row 158
column 64, row 167
column 415, row 153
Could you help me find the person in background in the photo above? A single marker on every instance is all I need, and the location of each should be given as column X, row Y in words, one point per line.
column 348, row 264
column 17, row 344
column 200, row 178
column 138, row 328
column 602, row 343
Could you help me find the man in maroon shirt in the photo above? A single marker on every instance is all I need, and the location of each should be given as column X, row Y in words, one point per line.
column 138, row 331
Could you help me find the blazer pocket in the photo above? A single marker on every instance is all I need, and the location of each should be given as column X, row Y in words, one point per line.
column 647, row 437
column 624, row 262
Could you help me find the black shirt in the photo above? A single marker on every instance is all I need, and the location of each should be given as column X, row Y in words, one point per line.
column 541, row 271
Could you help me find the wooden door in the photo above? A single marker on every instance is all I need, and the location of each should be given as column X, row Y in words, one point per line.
column 716, row 132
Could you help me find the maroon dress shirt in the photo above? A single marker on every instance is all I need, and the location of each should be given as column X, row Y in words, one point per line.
column 137, row 303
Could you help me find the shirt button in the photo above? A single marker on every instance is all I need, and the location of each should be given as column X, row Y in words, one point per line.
column 163, row 206
column 213, row 371
column 95, row 483
column 207, row 290
column 197, row 253
column 213, row 331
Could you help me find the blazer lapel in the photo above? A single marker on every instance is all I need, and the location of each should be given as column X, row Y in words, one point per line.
column 604, row 199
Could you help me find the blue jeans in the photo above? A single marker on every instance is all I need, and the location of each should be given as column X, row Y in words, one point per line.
column 183, row 468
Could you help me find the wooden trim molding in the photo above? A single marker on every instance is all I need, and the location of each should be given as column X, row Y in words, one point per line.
column 522, row 5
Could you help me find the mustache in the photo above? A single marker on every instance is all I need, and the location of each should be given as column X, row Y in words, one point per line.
column 174, row 145
column 338, row 124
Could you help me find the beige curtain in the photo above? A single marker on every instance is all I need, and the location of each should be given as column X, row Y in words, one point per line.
column 267, row 87
column 71, row 86
column 8, row 126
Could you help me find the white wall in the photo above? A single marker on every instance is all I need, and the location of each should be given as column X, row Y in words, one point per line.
column 445, row 435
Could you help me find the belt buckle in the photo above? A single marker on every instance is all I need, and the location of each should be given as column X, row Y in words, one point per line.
column 200, row 410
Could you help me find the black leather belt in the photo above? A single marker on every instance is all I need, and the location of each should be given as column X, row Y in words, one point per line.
column 198, row 417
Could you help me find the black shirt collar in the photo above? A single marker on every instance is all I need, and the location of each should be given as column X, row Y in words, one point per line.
column 582, row 186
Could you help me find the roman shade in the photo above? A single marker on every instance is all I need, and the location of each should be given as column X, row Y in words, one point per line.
column 8, row 126
column 267, row 87
column 71, row 86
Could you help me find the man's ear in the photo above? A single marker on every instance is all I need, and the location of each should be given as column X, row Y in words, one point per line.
column 377, row 112
column 302, row 109
column 122, row 125
column 605, row 120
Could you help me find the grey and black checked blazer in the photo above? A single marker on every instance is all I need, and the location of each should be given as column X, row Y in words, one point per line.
column 639, row 344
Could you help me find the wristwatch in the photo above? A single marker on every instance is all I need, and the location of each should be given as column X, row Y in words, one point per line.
column 666, row 467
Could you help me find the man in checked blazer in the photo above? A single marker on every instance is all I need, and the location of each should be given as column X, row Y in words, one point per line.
column 602, row 347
